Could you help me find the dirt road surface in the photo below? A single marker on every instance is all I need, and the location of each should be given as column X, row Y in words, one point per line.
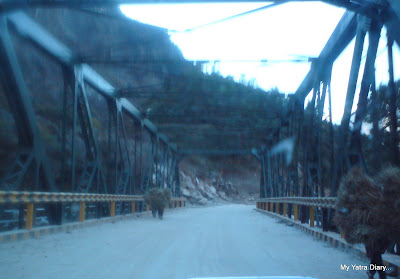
column 230, row 240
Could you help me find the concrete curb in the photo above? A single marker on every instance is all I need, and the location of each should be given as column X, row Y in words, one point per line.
column 16, row 235
column 335, row 240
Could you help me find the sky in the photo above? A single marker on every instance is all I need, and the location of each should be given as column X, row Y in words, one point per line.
column 282, row 32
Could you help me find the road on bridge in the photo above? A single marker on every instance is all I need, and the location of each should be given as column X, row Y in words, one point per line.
column 229, row 240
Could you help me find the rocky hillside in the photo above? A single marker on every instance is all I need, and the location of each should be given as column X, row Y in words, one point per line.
column 207, row 180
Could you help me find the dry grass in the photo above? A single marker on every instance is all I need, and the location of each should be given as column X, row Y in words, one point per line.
column 358, row 207
column 158, row 198
column 368, row 209
column 389, row 180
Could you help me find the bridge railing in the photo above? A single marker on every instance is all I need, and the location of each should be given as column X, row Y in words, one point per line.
column 29, row 203
column 285, row 205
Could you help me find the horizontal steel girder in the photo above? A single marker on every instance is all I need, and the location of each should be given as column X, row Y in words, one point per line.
column 87, row 3
column 216, row 152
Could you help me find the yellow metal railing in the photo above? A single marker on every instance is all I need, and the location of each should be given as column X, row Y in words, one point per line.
column 274, row 205
column 32, row 198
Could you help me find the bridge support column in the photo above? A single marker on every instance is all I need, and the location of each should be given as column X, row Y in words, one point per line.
column 296, row 212
column 81, row 211
column 284, row 209
column 112, row 212
column 29, row 216
column 133, row 207
column 312, row 216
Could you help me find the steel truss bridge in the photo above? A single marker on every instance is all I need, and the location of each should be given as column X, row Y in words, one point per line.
column 160, row 166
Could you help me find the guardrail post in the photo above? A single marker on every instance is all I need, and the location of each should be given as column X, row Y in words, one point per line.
column 29, row 216
column 312, row 216
column 296, row 212
column 284, row 209
column 112, row 212
column 133, row 207
column 81, row 211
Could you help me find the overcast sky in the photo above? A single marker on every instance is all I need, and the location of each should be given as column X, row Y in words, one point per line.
column 278, row 33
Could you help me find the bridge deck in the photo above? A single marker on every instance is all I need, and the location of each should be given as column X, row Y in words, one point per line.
column 231, row 240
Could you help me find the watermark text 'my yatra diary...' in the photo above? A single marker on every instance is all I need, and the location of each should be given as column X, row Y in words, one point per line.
column 356, row 267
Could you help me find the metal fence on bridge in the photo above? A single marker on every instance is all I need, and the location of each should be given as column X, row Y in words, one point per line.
column 30, row 208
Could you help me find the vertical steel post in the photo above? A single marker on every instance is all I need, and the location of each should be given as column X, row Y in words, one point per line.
column 29, row 216
column 312, row 216
column 81, row 211
column 392, row 106
column 355, row 155
column 344, row 126
column 177, row 178
column 296, row 212
column 141, row 168
column 112, row 211
column 156, row 161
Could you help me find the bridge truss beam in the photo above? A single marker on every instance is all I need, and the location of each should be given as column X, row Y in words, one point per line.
column 124, row 170
column 303, row 176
